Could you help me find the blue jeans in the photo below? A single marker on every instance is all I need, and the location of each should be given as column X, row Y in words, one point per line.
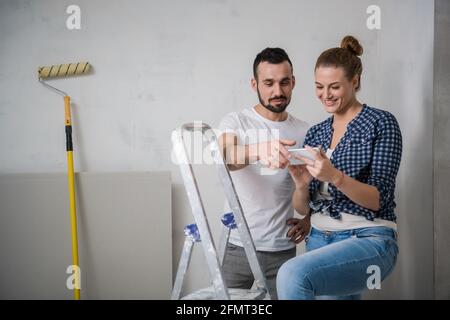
column 339, row 264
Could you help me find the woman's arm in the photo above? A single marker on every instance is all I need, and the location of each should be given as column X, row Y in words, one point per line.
column 378, row 192
column 300, row 198
column 386, row 159
column 379, row 189
column 363, row 194
column 300, row 201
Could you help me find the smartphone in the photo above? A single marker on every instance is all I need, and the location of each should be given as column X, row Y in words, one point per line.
column 302, row 152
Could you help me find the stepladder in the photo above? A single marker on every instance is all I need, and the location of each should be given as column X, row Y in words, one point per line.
column 200, row 231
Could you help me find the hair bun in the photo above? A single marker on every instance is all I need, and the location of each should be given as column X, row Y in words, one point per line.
column 352, row 44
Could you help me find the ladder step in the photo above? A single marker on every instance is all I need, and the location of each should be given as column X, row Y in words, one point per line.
column 235, row 294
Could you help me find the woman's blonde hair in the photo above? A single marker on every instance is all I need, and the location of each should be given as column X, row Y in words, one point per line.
column 346, row 57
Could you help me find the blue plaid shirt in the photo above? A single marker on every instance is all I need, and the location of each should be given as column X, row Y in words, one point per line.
column 370, row 152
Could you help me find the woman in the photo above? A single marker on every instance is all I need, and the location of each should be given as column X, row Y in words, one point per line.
column 348, row 190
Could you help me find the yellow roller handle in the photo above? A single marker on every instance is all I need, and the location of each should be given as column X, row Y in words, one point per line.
column 71, row 181
column 73, row 223
column 62, row 70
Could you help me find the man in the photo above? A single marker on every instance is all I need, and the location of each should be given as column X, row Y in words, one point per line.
column 255, row 143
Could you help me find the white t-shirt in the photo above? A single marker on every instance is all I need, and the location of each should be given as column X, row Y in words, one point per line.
column 265, row 194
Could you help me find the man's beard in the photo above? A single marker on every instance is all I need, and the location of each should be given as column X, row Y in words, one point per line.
column 272, row 108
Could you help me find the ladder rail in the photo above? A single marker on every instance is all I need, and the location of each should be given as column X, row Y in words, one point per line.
column 236, row 208
column 182, row 268
column 214, row 258
column 223, row 244
column 198, row 211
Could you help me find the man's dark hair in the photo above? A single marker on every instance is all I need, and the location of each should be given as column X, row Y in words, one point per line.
column 270, row 55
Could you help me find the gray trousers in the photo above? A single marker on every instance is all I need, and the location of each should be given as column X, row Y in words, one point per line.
column 237, row 272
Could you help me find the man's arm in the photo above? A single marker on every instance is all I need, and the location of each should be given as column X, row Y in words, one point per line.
column 237, row 156
column 272, row 154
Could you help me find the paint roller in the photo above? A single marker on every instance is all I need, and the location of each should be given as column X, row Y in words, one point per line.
column 63, row 70
column 60, row 71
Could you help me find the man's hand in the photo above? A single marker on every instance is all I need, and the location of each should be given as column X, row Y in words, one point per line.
column 300, row 229
column 274, row 154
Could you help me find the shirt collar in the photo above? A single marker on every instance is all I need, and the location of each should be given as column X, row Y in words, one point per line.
column 353, row 127
column 356, row 124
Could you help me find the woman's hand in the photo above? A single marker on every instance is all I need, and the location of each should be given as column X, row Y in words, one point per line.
column 300, row 175
column 321, row 168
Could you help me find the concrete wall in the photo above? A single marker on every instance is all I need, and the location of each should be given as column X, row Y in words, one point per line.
column 442, row 149
column 124, row 234
column 158, row 64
